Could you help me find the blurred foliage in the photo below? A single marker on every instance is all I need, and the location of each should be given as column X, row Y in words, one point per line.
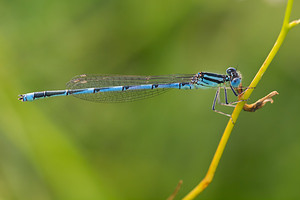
column 65, row 148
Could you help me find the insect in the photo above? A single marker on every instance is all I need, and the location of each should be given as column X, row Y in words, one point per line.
column 122, row 88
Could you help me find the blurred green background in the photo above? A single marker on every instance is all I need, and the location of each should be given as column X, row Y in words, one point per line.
column 66, row 148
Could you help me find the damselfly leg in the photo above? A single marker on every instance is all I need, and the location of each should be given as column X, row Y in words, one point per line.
column 230, row 104
column 217, row 98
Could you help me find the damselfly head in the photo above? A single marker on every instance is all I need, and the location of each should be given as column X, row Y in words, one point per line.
column 235, row 78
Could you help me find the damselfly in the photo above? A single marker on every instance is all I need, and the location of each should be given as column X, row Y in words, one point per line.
column 121, row 88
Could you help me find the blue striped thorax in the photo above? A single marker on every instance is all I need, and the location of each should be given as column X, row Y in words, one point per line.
column 207, row 79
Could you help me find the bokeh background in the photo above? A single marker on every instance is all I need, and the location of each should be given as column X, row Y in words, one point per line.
column 66, row 148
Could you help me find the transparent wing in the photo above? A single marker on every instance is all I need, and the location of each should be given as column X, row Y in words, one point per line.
column 105, row 81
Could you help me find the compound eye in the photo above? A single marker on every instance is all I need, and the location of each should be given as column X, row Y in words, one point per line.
column 235, row 82
column 230, row 70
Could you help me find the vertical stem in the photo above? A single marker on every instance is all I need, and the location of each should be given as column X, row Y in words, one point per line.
column 284, row 30
column 235, row 114
column 216, row 159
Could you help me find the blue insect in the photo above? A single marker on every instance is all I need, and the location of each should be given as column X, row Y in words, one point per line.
column 122, row 88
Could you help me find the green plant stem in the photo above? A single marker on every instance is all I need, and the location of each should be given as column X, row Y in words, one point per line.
column 235, row 114
column 284, row 30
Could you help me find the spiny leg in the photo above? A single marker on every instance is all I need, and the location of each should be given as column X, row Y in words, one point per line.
column 225, row 94
column 230, row 104
column 217, row 97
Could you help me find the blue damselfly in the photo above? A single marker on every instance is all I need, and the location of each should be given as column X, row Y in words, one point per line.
column 122, row 88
